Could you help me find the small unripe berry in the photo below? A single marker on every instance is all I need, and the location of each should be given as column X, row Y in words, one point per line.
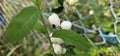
column 57, row 40
column 66, row 25
column 57, row 49
column 54, row 19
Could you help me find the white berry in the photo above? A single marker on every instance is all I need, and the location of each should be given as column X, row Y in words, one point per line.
column 56, row 40
column 66, row 25
column 91, row 12
column 54, row 19
column 64, row 51
column 50, row 34
column 71, row 2
column 57, row 49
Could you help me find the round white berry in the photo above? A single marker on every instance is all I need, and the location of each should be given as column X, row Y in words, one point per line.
column 91, row 12
column 54, row 19
column 66, row 25
column 56, row 40
column 57, row 48
column 64, row 51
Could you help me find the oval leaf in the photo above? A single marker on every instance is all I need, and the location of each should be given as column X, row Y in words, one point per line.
column 22, row 23
column 40, row 28
column 72, row 38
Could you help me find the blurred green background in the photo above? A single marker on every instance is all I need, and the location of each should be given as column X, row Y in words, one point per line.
column 36, row 44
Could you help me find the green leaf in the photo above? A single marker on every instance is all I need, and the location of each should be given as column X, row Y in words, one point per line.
column 79, row 53
column 22, row 23
column 40, row 28
column 72, row 38
column 106, row 23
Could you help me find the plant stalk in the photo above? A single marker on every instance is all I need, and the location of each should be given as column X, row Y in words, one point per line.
column 47, row 34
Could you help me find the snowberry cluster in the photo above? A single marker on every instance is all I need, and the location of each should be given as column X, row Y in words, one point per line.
column 55, row 20
column 58, row 49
